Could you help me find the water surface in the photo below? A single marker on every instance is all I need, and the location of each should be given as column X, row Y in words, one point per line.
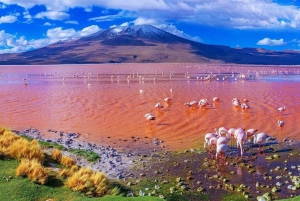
column 104, row 103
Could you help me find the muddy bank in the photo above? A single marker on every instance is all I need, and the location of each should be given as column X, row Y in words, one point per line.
column 274, row 170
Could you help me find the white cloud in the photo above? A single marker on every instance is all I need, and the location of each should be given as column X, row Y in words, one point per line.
column 271, row 42
column 122, row 14
column 47, row 24
column 12, row 44
column 71, row 22
column 26, row 15
column 173, row 30
column 142, row 20
column 89, row 30
column 53, row 15
column 8, row 19
column 242, row 14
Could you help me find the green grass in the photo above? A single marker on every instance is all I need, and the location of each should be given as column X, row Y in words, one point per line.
column 89, row 155
column 21, row 189
column 234, row 197
column 51, row 145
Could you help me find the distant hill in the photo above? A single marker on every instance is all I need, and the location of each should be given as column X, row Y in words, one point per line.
column 145, row 44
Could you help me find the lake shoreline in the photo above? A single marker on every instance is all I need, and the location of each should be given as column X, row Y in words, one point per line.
column 197, row 170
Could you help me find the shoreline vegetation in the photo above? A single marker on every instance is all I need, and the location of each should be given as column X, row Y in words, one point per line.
column 34, row 168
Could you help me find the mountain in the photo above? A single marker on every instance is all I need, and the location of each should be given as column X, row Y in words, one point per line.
column 145, row 44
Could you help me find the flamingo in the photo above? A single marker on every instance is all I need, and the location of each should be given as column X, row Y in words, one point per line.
column 222, row 140
column 150, row 117
column 245, row 100
column 260, row 138
column 207, row 138
column 281, row 109
column 216, row 99
column 203, row 103
column 230, row 134
column 212, row 143
column 191, row 104
column 167, row 99
column 221, row 150
column 245, row 106
column 235, row 102
column 223, row 131
column 280, row 123
column 159, row 105
column 240, row 136
column 24, row 82
column 250, row 132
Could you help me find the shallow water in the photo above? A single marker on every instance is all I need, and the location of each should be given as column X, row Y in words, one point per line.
column 104, row 103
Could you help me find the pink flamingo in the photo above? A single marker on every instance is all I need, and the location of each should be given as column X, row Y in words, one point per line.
column 221, row 150
column 207, row 138
column 260, row 138
column 240, row 136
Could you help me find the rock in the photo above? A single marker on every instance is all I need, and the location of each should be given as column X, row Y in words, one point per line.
column 200, row 189
column 178, row 179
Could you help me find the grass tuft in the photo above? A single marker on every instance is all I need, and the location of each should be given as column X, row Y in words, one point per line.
column 67, row 161
column 56, row 154
column 33, row 170
column 89, row 182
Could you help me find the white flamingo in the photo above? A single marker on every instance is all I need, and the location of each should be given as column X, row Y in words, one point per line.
column 150, row 117
column 207, row 138
column 240, row 136
column 191, row 104
column 280, row 123
column 158, row 106
column 230, row 134
column 260, row 138
column 223, row 131
column 203, row 103
column 24, row 82
column 216, row 99
column 245, row 106
column 221, row 150
column 222, row 140
column 236, row 102
column 167, row 99
column 281, row 109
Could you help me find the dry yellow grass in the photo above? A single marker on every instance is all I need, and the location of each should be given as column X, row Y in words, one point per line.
column 2, row 130
column 33, row 170
column 67, row 161
column 56, row 154
column 89, row 182
column 12, row 145
column 68, row 172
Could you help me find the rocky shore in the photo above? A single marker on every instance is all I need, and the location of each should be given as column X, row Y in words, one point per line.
column 115, row 164
column 273, row 173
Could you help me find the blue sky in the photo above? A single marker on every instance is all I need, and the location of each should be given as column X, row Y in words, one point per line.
column 269, row 24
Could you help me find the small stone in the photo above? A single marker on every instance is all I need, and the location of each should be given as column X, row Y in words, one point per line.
column 274, row 189
column 178, row 179
column 200, row 189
